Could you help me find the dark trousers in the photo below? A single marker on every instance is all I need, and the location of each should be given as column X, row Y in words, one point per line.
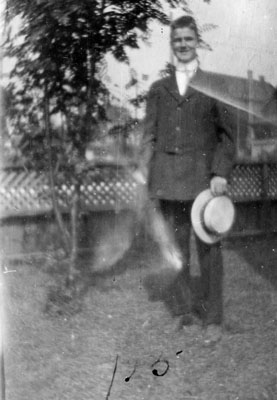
column 208, row 303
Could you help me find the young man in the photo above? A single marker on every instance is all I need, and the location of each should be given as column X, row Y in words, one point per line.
column 190, row 148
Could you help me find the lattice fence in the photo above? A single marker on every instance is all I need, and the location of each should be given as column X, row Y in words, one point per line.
column 102, row 189
column 21, row 192
column 247, row 182
column 106, row 188
column 272, row 182
column 254, row 182
column 28, row 192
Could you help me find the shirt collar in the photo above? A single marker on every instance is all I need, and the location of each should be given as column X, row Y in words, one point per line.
column 190, row 67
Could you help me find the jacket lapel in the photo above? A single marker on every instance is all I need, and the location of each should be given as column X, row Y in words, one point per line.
column 195, row 82
column 171, row 86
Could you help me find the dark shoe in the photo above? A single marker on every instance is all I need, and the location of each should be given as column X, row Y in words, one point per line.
column 199, row 309
column 187, row 319
column 213, row 320
column 234, row 327
column 213, row 315
column 213, row 334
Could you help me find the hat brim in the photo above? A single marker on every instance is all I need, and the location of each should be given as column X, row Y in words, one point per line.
column 196, row 218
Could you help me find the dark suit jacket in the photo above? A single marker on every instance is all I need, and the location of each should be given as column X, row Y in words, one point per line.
column 190, row 139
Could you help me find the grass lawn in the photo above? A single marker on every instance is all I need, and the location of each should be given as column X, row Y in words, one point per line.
column 70, row 353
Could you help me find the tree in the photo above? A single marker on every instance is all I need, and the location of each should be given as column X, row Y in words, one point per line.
column 59, row 51
column 62, row 49
column 64, row 42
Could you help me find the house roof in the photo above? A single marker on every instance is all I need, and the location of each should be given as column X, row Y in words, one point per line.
column 258, row 91
column 245, row 94
column 239, row 87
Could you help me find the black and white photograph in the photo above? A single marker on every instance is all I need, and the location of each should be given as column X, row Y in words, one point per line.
column 138, row 200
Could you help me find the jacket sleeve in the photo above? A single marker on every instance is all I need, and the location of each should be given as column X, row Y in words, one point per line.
column 150, row 126
column 224, row 155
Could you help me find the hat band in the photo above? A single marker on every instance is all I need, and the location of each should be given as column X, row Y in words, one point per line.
column 204, row 226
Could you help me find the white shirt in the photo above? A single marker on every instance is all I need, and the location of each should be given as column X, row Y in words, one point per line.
column 184, row 73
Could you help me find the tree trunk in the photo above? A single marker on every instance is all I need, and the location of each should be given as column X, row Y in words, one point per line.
column 72, row 272
column 58, row 215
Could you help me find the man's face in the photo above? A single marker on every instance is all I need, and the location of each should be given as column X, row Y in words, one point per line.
column 184, row 43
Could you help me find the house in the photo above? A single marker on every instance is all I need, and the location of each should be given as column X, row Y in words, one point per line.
column 253, row 105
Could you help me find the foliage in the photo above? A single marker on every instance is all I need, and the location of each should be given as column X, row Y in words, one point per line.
column 59, row 50
column 139, row 100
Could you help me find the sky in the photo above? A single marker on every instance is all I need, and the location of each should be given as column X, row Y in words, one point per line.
column 245, row 39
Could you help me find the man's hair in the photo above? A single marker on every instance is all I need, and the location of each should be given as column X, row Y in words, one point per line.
column 186, row 21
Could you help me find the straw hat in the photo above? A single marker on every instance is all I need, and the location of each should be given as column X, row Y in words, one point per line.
column 212, row 217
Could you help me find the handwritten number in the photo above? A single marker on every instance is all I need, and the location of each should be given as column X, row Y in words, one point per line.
column 129, row 377
column 162, row 366
column 114, row 372
column 159, row 367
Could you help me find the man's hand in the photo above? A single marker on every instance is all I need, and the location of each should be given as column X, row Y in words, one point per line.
column 218, row 185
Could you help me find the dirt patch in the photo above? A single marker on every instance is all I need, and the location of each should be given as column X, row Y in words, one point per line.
column 72, row 354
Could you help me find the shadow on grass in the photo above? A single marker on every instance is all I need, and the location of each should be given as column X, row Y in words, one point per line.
column 260, row 252
column 66, row 297
column 172, row 290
